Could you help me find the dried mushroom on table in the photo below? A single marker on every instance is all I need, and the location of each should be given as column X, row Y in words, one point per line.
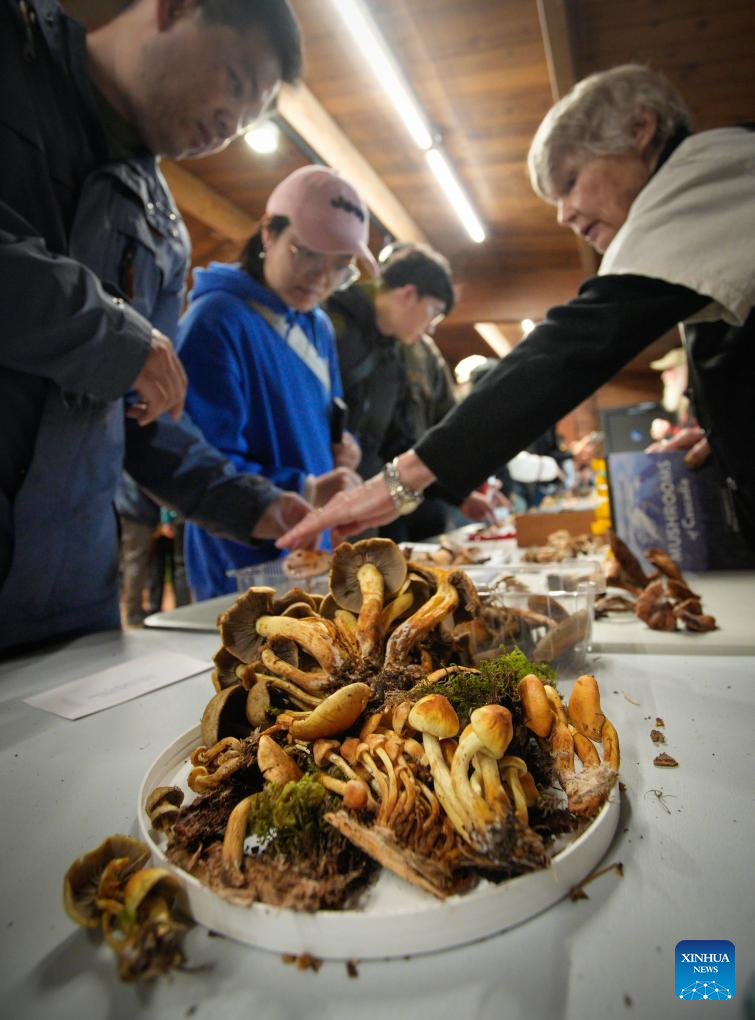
column 663, row 600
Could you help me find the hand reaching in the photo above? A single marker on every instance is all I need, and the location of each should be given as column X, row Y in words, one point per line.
column 332, row 482
column 347, row 453
column 283, row 513
column 691, row 439
column 366, row 506
column 161, row 384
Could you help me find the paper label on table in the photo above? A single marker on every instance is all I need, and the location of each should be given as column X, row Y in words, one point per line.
column 117, row 684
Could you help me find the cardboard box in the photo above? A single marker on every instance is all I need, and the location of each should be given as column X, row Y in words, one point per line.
column 533, row 527
column 657, row 502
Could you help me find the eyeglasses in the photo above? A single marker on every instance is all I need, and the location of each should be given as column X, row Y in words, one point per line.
column 341, row 273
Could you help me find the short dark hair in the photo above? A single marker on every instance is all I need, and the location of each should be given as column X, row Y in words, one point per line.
column 427, row 269
column 277, row 19
column 250, row 258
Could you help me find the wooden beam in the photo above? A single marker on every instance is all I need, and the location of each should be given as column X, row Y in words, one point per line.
column 511, row 297
column 309, row 119
column 554, row 27
column 196, row 199
column 562, row 73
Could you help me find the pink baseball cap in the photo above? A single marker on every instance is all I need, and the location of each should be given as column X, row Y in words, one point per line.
column 325, row 211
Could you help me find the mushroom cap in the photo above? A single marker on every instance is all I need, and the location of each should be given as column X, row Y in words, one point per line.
column 335, row 714
column 493, row 728
column 224, row 673
column 290, row 597
column 146, row 881
column 82, row 880
column 275, row 765
column 238, row 624
column 434, row 714
column 225, row 716
column 347, row 559
column 321, row 750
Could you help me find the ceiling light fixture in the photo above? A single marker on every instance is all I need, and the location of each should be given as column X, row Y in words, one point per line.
column 385, row 69
column 493, row 337
column 527, row 326
column 263, row 138
column 455, row 194
column 358, row 20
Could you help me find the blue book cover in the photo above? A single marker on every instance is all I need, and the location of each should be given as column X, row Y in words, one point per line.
column 657, row 502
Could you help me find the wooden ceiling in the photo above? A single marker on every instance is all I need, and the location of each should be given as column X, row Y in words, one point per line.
column 485, row 71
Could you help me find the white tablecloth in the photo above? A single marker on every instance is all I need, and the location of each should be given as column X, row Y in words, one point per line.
column 686, row 841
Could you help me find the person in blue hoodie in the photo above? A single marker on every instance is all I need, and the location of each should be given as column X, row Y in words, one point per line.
column 261, row 359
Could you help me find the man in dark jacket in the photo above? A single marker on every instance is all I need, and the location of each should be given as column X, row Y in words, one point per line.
column 92, row 255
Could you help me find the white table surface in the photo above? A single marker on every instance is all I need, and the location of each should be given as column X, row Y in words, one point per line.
column 729, row 595
column 688, row 865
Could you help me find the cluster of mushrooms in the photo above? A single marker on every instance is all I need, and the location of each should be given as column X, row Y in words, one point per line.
column 365, row 729
column 347, row 690
column 663, row 600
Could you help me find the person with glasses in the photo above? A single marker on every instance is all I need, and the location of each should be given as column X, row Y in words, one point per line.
column 261, row 358
column 374, row 321
column 396, row 382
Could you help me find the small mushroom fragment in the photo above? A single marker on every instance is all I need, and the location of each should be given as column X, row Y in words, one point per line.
column 162, row 806
column 429, row 615
column 275, row 765
column 224, row 673
column 81, row 883
column 151, row 943
column 363, row 577
column 314, row 634
column 434, row 717
column 538, row 713
column 489, row 732
column 237, row 624
column 562, row 637
column 334, row 715
column 225, row 715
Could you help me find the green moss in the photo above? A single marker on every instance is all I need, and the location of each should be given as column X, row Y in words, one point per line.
column 508, row 669
column 496, row 683
column 290, row 816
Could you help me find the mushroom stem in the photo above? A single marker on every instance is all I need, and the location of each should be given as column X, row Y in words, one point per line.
column 315, row 682
column 316, row 636
column 407, row 634
column 513, row 768
column 372, row 588
column 233, row 840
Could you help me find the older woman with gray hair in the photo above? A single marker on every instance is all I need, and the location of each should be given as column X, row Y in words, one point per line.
column 673, row 214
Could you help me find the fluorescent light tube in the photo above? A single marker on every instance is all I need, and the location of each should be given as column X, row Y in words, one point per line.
column 455, row 194
column 493, row 337
column 376, row 53
column 264, row 138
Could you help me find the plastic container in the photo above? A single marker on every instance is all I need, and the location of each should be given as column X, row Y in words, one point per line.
column 552, row 608
column 272, row 575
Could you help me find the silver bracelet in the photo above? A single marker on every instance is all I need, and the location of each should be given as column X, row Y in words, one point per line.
column 405, row 500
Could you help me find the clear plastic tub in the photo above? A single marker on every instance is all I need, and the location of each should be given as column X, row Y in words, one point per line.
column 551, row 607
column 272, row 575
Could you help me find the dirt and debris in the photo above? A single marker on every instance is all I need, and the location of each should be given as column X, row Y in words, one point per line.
column 659, row 722
column 664, row 760
column 660, row 796
column 351, row 968
column 577, row 892
column 304, row 961
column 657, row 737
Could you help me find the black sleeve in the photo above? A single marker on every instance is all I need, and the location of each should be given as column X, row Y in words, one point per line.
column 578, row 347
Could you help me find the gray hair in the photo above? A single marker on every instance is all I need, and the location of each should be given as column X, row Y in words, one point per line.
column 596, row 119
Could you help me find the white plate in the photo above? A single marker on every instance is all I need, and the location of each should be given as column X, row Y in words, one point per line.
column 397, row 919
